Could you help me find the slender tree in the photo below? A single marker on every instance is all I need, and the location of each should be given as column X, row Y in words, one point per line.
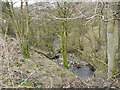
column 111, row 43
column 118, row 39
column 63, row 12
column 25, row 34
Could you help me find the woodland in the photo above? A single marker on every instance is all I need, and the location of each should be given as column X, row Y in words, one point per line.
column 60, row 44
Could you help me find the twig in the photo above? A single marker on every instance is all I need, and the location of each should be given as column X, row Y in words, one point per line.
column 84, row 83
column 28, row 77
column 111, row 84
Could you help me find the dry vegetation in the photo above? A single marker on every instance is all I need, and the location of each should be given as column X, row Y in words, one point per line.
column 32, row 28
column 37, row 71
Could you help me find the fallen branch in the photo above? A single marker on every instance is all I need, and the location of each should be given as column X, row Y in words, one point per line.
column 54, row 56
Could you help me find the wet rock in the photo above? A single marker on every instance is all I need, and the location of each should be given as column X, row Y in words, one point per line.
column 84, row 71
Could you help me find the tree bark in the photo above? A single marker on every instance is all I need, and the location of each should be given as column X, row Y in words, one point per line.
column 118, row 39
column 112, row 46
column 110, row 51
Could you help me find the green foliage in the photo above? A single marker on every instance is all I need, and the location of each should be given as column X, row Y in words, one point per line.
column 113, row 70
column 25, row 49
column 111, row 30
column 27, row 82
column 20, row 59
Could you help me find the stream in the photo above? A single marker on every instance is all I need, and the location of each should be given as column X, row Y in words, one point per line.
column 83, row 71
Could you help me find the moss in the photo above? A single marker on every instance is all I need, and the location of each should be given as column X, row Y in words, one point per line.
column 113, row 70
column 71, row 74
column 25, row 49
column 111, row 30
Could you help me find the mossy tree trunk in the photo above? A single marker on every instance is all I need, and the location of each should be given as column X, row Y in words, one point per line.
column 20, row 24
column 24, row 43
column 63, row 12
column 64, row 44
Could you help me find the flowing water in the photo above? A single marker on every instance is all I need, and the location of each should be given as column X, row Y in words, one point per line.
column 83, row 71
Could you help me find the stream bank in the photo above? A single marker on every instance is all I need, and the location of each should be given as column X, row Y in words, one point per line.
column 81, row 69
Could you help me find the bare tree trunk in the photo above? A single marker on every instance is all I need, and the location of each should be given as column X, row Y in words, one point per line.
column 119, row 40
column 110, row 52
column 106, row 56
column 0, row 16
column 112, row 43
column 112, row 46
